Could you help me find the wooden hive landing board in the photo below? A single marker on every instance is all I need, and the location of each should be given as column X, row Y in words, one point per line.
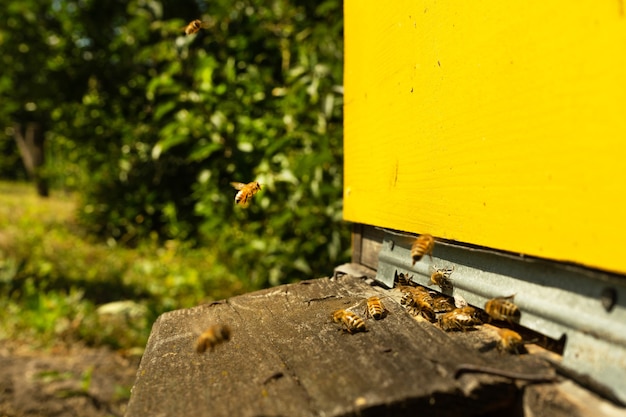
column 287, row 358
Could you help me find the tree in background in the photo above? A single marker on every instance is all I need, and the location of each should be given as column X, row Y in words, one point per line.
column 151, row 126
column 39, row 72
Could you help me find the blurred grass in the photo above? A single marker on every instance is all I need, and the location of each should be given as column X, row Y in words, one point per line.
column 59, row 286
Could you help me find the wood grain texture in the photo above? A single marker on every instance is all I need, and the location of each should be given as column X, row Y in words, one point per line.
column 498, row 124
column 286, row 358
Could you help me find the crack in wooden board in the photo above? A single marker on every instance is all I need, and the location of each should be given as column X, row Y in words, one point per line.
column 395, row 368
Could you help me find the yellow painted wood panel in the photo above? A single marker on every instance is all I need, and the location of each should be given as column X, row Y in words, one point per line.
column 501, row 124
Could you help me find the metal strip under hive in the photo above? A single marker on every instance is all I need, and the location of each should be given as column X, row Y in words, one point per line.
column 585, row 306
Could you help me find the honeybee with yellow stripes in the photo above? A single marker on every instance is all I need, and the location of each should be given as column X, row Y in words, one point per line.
column 442, row 304
column 245, row 191
column 212, row 337
column 441, row 278
column 418, row 302
column 350, row 321
column 423, row 245
column 510, row 341
column 503, row 308
column 194, row 26
column 458, row 319
column 375, row 308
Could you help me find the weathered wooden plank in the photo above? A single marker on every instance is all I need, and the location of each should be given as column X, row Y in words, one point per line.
column 287, row 358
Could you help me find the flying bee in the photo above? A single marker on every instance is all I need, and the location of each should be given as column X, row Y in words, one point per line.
column 441, row 278
column 194, row 26
column 351, row 322
column 376, row 308
column 423, row 245
column 503, row 308
column 212, row 337
column 246, row 191
column 510, row 341
column 457, row 319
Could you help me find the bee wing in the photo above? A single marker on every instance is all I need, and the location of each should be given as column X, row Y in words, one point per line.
column 205, row 25
column 237, row 185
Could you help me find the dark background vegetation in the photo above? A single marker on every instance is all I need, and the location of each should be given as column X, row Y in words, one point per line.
column 143, row 130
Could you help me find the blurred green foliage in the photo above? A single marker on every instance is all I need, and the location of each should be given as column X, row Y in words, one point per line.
column 58, row 285
column 147, row 128
column 150, row 126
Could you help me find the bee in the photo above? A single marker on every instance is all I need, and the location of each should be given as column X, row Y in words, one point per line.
column 457, row 319
column 194, row 26
column 407, row 299
column 410, row 293
column 475, row 314
column 212, row 337
column 441, row 278
column 246, row 191
column 423, row 245
column 376, row 308
column 503, row 308
column 349, row 320
column 419, row 302
column 404, row 279
column 510, row 341
column 442, row 304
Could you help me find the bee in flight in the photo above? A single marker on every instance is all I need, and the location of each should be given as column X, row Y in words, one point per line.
column 246, row 191
column 441, row 278
column 423, row 245
column 194, row 26
column 349, row 320
column 212, row 337
column 503, row 308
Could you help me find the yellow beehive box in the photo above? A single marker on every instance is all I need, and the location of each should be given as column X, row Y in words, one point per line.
column 500, row 124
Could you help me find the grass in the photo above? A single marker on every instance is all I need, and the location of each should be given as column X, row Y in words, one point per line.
column 58, row 285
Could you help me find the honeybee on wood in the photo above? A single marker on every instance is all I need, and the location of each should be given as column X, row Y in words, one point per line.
column 376, row 308
column 503, row 308
column 350, row 321
column 194, row 26
column 442, row 304
column 475, row 314
column 212, row 337
column 457, row 319
column 246, row 191
column 423, row 245
column 441, row 278
column 510, row 341
column 410, row 293
column 407, row 299
column 420, row 303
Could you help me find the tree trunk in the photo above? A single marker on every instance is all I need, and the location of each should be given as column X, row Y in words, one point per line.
column 30, row 141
